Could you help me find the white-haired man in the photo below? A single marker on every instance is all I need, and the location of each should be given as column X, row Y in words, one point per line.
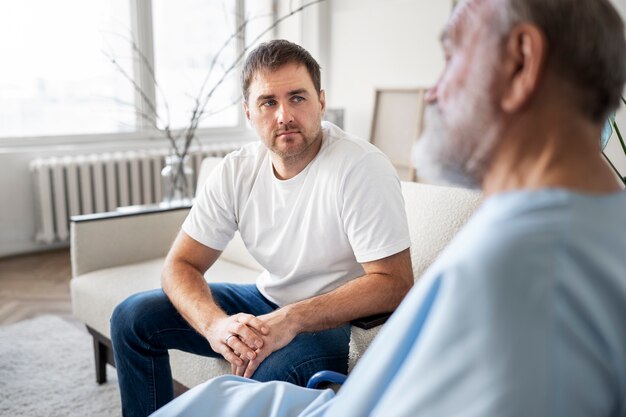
column 522, row 315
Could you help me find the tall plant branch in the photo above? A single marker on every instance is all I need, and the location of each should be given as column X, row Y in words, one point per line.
column 156, row 118
column 136, row 87
column 619, row 175
column 199, row 112
column 247, row 48
column 146, row 63
column 137, row 110
column 619, row 136
column 237, row 33
column 223, row 108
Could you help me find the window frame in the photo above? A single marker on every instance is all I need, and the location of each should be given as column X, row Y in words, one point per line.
column 142, row 30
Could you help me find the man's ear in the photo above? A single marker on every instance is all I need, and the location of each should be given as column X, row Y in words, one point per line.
column 524, row 62
column 246, row 110
column 323, row 100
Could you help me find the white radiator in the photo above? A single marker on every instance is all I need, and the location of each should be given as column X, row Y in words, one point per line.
column 85, row 184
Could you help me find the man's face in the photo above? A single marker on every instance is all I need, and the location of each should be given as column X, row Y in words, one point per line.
column 461, row 127
column 285, row 110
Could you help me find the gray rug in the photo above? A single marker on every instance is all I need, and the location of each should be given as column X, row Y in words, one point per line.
column 47, row 369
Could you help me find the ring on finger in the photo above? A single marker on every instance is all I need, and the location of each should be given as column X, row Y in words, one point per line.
column 228, row 337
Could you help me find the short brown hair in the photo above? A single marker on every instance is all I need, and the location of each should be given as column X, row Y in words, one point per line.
column 273, row 55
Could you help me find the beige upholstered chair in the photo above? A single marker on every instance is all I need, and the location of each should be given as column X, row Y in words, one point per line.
column 117, row 254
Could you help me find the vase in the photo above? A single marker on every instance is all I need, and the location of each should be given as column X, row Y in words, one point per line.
column 177, row 180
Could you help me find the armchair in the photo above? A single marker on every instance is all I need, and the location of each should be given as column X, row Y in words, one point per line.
column 117, row 254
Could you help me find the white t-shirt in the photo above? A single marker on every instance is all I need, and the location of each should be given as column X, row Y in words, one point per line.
column 310, row 232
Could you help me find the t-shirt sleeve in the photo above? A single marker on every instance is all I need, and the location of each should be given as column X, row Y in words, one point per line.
column 212, row 219
column 373, row 209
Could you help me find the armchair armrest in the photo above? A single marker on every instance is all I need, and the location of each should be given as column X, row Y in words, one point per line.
column 111, row 239
column 370, row 322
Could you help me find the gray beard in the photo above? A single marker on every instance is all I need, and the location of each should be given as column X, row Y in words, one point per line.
column 459, row 154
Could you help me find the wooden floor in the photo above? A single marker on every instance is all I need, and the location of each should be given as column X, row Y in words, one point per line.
column 36, row 284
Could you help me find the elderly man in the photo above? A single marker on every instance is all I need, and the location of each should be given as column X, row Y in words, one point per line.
column 523, row 313
column 320, row 210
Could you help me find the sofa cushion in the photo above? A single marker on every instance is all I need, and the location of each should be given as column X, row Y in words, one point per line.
column 435, row 214
column 96, row 294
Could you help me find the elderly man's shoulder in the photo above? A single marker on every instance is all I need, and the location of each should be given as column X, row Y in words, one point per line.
column 537, row 237
column 510, row 235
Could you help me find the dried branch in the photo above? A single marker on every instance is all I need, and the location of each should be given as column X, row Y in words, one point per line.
column 221, row 109
column 617, row 173
column 134, row 84
column 182, row 139
column 149, row 118
column 238, row 32
column 146, row 63
column 247, row 47
column 198, row 111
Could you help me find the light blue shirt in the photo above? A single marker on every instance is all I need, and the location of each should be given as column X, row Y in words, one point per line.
column 523, row 315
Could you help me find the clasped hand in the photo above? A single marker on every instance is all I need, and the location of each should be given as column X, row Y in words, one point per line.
column 245, row 340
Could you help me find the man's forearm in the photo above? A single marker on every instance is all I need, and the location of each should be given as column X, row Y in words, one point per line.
column 364, row 296
column 380, row 290
column 189, row 293
column 183, row 282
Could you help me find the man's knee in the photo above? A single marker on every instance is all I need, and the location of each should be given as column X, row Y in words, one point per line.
column 307, row 354
column 134, row 315
column 299, row 370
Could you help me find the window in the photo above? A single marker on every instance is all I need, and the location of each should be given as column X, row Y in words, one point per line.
column 54, row 76
column 57, row 77
column 188, row 37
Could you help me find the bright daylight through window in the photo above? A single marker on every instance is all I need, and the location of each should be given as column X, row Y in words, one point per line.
column 57, row 77
column 54, row 77
column 187, row 35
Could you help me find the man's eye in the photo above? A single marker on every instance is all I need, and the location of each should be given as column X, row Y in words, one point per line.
column 297, row 99
column 269, row 103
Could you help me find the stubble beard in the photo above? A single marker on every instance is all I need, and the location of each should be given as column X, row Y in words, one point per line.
column 302, row 150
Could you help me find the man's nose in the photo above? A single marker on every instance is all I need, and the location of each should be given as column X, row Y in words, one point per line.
column 283, row 115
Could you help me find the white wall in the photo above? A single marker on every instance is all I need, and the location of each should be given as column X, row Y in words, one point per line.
column 381, row 44
column 361, row 45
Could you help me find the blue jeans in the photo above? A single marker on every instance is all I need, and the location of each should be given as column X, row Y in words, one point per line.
column 146, row 325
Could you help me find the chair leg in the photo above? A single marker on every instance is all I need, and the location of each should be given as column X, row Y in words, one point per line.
column 100, row 354
column 103, row 354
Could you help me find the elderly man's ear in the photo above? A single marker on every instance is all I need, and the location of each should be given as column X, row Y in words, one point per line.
column 524, row 64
